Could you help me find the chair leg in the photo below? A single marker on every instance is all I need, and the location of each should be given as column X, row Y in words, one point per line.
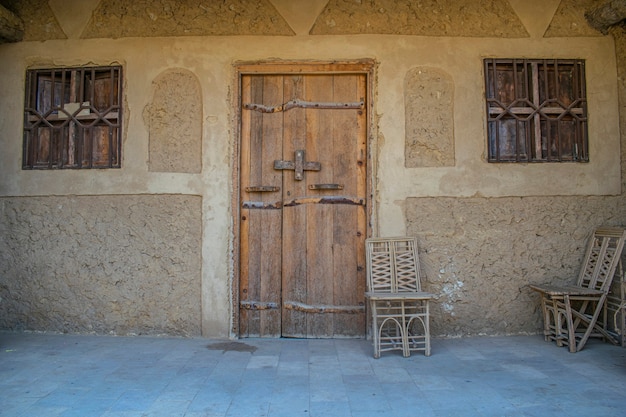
column 591, row 322
column 556, row 334
column 571, row 330
column 375, row 330
column 406, row 351
column 546, row 319
column 427, row 329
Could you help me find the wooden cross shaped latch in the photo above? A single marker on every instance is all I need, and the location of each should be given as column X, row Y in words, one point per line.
column 299, row 166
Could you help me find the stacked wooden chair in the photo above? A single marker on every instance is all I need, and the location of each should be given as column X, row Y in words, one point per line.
column 571, row 313
column 400, row 310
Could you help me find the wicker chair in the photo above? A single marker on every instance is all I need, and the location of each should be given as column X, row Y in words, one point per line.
column 400, row 310
column 571, row 313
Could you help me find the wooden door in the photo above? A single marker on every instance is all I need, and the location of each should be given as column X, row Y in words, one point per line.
column 303, row 205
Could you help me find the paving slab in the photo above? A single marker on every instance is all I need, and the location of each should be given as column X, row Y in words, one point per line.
column 106, row 376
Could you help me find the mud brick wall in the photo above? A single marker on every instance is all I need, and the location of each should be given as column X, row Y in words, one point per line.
column 101, row 264
column 174, row 120
column 441, row 18
column 479, row 255
column 429, row 118
column 143, row 18
column 619, row 34
column 119, row 18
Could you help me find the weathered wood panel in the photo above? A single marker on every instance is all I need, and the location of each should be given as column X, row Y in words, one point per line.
column 321, row 154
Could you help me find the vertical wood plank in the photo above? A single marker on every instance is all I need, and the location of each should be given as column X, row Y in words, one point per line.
column 319, row 88
column 254, row 216
column 347, row 288
column 363, row 213
column 244, row 230
column 269, row 239
column 344, row 133
column 294, row 217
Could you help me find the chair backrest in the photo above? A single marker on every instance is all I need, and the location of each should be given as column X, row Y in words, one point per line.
column 392, row 264
column 603, row 255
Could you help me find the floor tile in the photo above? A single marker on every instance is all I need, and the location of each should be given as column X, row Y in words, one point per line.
column 100, row 376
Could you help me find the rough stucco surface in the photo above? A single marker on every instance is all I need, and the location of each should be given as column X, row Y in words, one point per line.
column 174, row 121
column 424, row 17
column 479, row 255
column 122, row 18
column 619, row 34
column 118, row 264
column 40, row 24
column 429, row 118
column 569, row 19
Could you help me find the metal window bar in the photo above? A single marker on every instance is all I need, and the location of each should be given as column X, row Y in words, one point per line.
column 515, row 95
column 527, row 71
column 583, row 144
column 115, row 75
column 546, row 98
column 67, row 145
column 537, row 109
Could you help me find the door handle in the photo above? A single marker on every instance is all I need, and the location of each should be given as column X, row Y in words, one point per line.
column 326, row 187
column 262, row 189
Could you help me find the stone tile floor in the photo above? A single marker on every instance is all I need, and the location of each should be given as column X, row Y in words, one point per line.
column 77, row 375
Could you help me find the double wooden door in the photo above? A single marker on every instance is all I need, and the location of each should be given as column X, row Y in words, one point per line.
column 303, row 205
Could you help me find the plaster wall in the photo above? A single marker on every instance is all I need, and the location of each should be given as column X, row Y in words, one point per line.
column 101, row 264
column 402, row 196
column 479, row 255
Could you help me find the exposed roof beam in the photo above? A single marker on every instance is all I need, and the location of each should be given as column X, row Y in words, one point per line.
column 11, row 26
column 606, row 15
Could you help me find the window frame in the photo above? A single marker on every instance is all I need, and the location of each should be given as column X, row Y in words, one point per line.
column 536, row 110
column 73, row 118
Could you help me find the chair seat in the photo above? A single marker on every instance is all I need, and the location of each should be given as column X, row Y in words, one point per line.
column 407, row 296
column 556, row 290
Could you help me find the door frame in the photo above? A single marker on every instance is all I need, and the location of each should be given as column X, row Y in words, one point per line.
column 365, row 66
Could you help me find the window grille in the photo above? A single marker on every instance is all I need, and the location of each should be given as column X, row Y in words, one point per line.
column 536, row 110
column 73, row 118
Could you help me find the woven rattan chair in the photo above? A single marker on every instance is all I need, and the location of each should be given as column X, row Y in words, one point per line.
column 571, row 313
column 400, row 310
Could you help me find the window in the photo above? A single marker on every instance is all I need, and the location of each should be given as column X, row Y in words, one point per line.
column 72, row 118
column 536, row 110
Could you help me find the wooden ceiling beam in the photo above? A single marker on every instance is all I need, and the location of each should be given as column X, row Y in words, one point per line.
column 606, row 15
column 11, row 26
